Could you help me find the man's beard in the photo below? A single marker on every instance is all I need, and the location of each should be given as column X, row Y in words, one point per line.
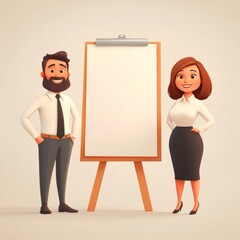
column 56, row 87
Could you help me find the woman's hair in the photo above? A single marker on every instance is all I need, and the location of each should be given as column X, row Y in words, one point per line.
column 204, row 89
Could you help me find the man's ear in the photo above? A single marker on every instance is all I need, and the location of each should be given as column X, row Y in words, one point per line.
column 68, row 74
column 42, row 74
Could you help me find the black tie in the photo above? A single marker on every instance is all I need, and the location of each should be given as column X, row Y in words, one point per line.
column 60, row 120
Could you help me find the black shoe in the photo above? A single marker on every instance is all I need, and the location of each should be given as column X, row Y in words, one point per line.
column 194, row 212
column 44, row 209
column 63, row 207
column 178, row 210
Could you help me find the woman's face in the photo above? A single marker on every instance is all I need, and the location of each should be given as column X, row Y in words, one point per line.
column 188, row 79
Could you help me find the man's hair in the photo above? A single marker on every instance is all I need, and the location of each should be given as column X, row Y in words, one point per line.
column 61, row 56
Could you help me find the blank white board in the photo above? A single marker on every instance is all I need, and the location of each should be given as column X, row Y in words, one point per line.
column 121, row 118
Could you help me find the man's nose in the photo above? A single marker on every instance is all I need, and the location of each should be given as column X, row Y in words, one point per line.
column 56, row 74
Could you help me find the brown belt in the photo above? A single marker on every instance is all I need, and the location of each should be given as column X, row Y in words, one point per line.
column 54, row 136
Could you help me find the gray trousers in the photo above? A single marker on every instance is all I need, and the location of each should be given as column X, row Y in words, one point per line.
column 51, row 151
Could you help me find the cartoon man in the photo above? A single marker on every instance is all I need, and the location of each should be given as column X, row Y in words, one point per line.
column 56, row 139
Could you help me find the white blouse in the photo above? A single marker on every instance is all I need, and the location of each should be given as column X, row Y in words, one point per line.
column 185, row 112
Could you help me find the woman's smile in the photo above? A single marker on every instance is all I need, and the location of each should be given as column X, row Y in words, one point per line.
column 186, row 85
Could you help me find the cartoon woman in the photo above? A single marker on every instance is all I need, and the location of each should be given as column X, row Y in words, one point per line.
column 189, row 84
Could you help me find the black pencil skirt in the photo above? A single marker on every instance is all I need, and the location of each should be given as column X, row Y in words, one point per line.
column 186, row 149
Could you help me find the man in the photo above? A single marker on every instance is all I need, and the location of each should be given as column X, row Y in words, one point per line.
column 56, row 139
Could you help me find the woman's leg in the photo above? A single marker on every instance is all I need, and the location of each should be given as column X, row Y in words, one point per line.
column 179, row 189
column 195, row 190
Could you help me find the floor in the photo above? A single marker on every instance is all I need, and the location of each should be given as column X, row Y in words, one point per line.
column 27, row 223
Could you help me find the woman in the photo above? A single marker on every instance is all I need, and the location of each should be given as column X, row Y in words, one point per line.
column 189, row 84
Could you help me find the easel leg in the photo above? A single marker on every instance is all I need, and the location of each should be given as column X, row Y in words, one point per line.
column 96, row 186
column 143, row 186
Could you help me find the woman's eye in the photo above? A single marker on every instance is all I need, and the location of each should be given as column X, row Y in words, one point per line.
column 193, row 76
column 180, row 76
column 52, row 71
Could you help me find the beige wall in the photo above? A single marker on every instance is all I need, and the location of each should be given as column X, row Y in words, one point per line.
column 206, row 30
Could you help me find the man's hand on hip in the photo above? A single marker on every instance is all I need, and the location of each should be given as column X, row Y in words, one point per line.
column 39, row 139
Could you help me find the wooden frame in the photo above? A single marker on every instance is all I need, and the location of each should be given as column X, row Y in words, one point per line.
column 156, row 157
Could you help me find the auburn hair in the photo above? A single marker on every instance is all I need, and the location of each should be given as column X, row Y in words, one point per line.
column 204, row 90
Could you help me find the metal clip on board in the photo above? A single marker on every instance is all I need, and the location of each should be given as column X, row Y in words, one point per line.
column 121, row 41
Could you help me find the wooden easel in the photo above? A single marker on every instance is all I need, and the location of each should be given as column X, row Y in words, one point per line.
column 141, row 180
column 92, row 53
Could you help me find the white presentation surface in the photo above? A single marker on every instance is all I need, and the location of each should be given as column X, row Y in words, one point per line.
column 121, row 117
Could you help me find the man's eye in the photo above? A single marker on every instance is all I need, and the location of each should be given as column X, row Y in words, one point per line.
column 61, row 71
column 52, row 71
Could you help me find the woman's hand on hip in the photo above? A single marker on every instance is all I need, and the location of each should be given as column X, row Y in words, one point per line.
column 195, row 130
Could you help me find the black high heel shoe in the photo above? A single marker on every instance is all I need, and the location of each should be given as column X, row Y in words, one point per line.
column 178, row 210
column 194, row 212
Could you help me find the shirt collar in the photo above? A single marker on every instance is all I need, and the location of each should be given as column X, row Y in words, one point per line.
column 190, row 99
column 52, row 95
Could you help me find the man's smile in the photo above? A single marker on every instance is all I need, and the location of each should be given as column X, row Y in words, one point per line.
column 57, row 81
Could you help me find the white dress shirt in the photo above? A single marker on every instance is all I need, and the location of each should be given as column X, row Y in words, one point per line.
column 185, row 112
column 46, row 105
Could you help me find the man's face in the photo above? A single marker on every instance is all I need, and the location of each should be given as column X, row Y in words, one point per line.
column 55, row 76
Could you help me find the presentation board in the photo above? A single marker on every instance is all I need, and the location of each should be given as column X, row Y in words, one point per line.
column 121, row 114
